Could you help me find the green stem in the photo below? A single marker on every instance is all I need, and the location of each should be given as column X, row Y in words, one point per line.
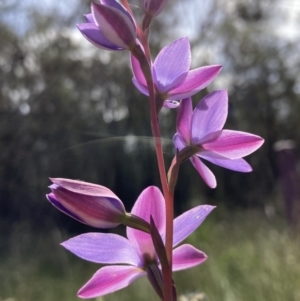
column 133, row 221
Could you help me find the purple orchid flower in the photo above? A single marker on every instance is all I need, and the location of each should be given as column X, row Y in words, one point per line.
column 201, row 130
column 91, row 204
column 109, row 26
column 134, row 257
column 172, row 76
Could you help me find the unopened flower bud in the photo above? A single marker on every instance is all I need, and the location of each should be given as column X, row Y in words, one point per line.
column 88, row 203
column 109, row 26
column 154, row 7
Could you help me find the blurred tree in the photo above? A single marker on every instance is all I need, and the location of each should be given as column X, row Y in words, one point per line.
column 263, row 68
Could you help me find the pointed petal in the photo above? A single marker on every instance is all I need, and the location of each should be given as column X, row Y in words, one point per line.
column 93, row 34
column 188, row 222
column 172, row 64
column 205, row 173
column 118, row 6
column 234, row 144
column 89, row 18
column 108, row 280
column 137, row 71
column 53, row 200
column 186, row 256
column 84, row 188
column 178, row 141
column 195, row 81
column 154, row 275
column 209, row 115
column 103, row 248
column 184, row 118
column 140, row 87
column 149, row 203
column 236, row 164
column 116, row 26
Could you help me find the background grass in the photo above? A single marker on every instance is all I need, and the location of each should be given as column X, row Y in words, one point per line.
column 250, row 258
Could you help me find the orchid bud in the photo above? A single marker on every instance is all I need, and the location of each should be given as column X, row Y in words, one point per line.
column 88, row 203
column 154, row 7
column 92, row 204
column 109, row 26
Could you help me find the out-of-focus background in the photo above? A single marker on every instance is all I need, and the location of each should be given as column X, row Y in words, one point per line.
column 68, row 109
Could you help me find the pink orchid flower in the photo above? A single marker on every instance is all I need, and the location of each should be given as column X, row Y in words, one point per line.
column 134, row 257
column 172, row 76
column 203, row 130
column 109, row 26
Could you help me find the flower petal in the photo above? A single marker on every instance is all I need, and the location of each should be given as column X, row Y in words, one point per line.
column 178, row 141
column 209, row 115
column 89, row 18
column 172, row 64
column 108, row 280
column 186, row 256
column 140, row 87
column 137, row 71
column 234, row 144
column 184, row 118
column 149, row 203
column 84, row 188
column 118, row 6
column 195, row 81
column 92, row 204
column 204, row 172
column 93, row 34
column 116, row 26
column 103, row 248
column 188, row 222
column 53, row 200
column 236, row 164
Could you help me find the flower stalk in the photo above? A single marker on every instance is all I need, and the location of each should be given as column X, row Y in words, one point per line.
column 168, row 195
